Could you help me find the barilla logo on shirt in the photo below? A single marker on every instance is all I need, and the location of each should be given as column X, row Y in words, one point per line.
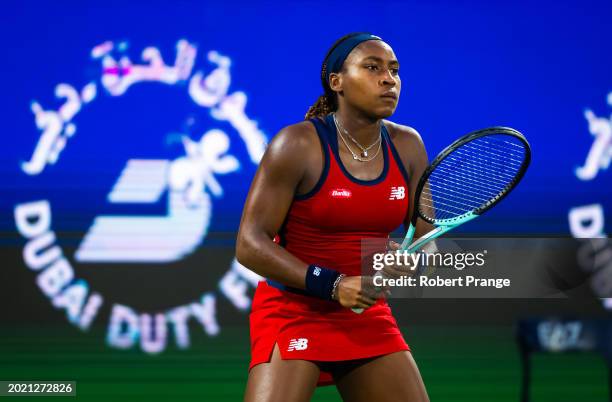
column 340, row 193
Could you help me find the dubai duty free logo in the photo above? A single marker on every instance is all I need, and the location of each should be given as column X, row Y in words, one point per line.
column 188, row 182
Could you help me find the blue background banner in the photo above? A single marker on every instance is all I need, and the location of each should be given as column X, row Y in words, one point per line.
column 537, row 67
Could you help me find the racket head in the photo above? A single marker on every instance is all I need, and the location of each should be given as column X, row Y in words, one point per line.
column 471, row 175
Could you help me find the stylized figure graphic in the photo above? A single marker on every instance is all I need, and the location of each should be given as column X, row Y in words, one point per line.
column 193, row 173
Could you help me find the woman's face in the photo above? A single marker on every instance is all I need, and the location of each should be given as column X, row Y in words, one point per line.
column 370, row 79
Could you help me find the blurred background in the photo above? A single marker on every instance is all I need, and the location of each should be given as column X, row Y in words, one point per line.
column 132, row 131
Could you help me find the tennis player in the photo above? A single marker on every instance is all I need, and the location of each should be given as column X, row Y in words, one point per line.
column 322, row 186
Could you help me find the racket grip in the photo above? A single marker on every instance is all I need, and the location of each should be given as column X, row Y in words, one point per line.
column 357, row 310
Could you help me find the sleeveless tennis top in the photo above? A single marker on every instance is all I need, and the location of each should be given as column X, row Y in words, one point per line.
column 326, row 226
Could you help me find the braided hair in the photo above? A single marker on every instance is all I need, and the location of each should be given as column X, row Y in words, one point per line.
column 328, row 102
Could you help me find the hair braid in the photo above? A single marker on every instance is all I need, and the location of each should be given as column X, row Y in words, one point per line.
column 321, row 108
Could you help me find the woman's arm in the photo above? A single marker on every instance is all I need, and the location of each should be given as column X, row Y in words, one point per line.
column 281, row 170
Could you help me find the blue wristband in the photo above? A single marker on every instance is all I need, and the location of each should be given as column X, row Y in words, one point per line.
column 320, row 281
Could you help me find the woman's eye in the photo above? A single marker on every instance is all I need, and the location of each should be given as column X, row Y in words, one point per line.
column 372, row 68
column 395, row 71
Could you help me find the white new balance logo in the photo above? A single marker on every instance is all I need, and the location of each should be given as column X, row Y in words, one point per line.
column 297, row 344
column 397, row 193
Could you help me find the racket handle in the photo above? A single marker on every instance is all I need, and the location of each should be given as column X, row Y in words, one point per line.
column 357, row 310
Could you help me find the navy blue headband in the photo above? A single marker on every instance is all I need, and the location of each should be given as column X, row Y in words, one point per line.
column 335, row 60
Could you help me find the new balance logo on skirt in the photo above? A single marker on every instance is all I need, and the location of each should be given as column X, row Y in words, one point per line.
column 398, row 193
column 297, row 344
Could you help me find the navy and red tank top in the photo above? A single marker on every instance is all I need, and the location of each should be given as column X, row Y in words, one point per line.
column 326, row 226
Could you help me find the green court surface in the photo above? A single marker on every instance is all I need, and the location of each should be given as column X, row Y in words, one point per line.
column 457, row 363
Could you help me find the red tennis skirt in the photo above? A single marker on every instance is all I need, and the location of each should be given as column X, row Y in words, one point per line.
column 307, row 328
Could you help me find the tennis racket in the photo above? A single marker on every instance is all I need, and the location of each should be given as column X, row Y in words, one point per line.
column 465, row 180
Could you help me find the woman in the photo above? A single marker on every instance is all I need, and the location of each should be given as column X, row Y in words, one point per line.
column 322, row 186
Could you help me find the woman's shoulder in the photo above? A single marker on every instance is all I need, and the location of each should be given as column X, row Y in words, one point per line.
column 296, row 141
column 298, row 136
column 409, row 145
column 301, row 131
column 401, row 134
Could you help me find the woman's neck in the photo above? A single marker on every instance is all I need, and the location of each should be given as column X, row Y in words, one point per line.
column 364, row 129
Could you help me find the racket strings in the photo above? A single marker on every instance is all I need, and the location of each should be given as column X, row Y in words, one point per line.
column 439, row 208
column 487, row 147
column 458, row 202
column 504, row 163
column 471, row 180
column 448, row 178
column 493, row 164
column 472, row 176
column 464, row 197
column 458, row 198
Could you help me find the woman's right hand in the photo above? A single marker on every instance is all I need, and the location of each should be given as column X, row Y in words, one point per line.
column 352, row 294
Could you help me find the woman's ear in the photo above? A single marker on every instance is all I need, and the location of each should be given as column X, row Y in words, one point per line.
column 335, row 82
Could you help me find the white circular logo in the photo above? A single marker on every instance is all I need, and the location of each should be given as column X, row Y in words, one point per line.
column 186, row 186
